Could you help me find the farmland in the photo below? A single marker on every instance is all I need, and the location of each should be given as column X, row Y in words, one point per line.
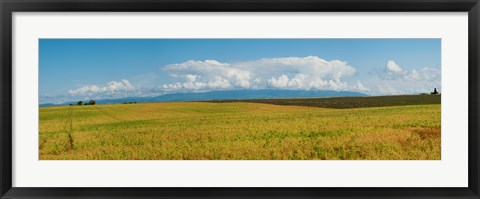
column 355, row 128
column 350, row 102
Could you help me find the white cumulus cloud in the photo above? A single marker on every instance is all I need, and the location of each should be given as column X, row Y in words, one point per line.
column 395, row 80
column 122, row 88
column 394, row 71
column 393, row 67
column 306, row 73
column 359, row 87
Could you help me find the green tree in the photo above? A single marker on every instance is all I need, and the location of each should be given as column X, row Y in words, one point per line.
column 79, row 103
column 92, row 102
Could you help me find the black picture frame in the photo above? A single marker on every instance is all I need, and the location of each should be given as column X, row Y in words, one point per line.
column 7, row 7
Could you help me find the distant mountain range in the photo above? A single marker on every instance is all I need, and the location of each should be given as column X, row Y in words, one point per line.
column 225, row 95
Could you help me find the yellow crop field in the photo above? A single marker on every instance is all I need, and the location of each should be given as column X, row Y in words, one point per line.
column 238, row 131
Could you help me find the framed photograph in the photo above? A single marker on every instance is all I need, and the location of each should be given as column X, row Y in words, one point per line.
column 239, row 99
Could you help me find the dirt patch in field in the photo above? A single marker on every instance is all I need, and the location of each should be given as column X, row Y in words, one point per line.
column 428, row 133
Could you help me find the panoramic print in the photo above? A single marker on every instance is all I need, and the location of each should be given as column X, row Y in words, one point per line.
column 239, row 99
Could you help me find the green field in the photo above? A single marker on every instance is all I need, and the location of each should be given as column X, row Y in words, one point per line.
column 393, row 128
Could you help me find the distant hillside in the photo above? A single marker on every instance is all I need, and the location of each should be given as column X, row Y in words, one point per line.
column 252, row 94
column 226, row 95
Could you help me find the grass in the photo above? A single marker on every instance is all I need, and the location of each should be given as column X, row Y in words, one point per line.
column 238, row 131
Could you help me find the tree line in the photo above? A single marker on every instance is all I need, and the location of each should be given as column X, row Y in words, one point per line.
column 80, row 103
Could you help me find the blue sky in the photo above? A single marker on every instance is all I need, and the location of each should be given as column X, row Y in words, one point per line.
column 78, row 69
